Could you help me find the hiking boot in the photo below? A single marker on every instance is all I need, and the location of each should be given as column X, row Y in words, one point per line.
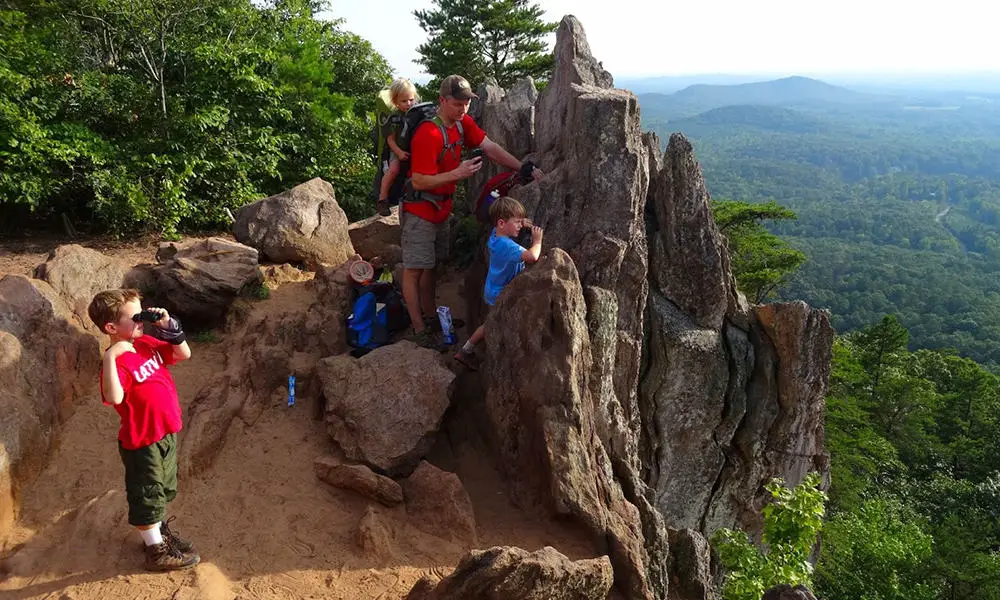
column 427, row 339
column 382, row 206
column 469, row 359
column 434, row 324
column 173, row 539
column 164, row 557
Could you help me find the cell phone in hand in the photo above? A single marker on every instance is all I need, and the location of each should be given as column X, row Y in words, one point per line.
column 149, row 316
column 476, row 153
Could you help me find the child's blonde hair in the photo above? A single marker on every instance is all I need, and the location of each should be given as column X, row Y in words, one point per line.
column 506, row 208
column 106, row 305
column 399, row 87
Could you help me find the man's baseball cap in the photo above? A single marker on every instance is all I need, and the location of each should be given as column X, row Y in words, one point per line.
column 456, row 86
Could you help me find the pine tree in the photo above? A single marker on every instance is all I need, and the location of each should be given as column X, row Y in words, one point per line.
column 480, row 39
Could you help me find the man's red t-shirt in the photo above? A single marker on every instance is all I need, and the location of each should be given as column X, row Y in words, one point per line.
column 425, row 149
column 150, row 409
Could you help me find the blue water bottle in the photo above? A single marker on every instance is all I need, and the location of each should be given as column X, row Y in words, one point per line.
column 291, row 390
column 444, row 316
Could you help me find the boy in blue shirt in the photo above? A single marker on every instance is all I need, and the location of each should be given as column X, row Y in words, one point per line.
column 507, row 259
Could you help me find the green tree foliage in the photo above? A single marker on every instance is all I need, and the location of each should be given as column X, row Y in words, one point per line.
column 761, row 261
column 915, row 465
column 135, row 114
column 791, row 523
column 499, row 39
column 878, row 551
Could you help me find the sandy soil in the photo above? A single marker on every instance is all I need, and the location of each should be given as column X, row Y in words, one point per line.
column 264, row 525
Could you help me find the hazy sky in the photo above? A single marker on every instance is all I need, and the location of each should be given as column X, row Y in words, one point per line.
column 651, row 37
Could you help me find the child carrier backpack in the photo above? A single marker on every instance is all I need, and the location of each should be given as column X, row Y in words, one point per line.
column 499, row 185
column 380, row 130
column 377, row 312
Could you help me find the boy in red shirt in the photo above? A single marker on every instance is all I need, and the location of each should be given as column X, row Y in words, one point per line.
column 135, row 381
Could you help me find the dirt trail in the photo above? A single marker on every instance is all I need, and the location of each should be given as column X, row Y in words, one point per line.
column 264, row 525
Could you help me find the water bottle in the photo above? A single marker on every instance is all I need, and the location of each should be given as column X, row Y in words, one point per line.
column 291, row 390
column 444, row 316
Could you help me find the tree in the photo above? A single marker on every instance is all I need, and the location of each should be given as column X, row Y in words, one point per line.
column 481, row 39
column 791, row 523
column 761, row 261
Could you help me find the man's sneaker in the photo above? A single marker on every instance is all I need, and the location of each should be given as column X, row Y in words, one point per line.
column 173, row 539
column 427, row 339
column 382, row 206
column 469, row 359
column 164, row 557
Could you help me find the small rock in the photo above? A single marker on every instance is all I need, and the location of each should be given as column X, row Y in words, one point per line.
column 360, row 479
column 437, row 503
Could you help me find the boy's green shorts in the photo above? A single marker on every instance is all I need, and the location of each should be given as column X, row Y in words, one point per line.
column 150, row 479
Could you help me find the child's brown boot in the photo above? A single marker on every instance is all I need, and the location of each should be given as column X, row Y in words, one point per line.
column 164, row 557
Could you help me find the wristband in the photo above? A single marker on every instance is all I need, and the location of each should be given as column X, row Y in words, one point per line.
column 172, row 333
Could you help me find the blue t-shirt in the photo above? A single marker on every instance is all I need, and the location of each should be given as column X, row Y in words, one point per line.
column 505, row 263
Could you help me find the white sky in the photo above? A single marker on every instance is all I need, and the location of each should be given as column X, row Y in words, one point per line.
column 651, row 37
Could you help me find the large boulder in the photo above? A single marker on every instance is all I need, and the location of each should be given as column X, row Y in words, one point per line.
column 198, row 280
column 303, row 224
column 46, row 363
column 378, row 236
column 271, row 339
column 515, row 574
column 385, row 408
column 543, row 416
column 78, row 274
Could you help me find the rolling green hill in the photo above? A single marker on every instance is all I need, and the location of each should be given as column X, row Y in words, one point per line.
column 898, row 197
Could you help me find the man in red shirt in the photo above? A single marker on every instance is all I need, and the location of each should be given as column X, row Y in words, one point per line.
column 436, row 167
column 135, row 380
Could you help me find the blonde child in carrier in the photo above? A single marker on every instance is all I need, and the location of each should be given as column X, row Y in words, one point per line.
column 403, row 95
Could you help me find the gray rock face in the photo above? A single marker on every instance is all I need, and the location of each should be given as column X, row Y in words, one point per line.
column 303, row 224
column 660, row 380
column 514, row 574
column 541, row 412
column 385, row 408
column 46, row 361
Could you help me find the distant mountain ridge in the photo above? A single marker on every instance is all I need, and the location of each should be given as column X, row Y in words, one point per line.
column 786, row 92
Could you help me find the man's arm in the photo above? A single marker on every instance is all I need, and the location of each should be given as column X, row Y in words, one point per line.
column 499, row 155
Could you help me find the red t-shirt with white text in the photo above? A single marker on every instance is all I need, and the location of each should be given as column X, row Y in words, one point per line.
column 151, row 409
column 425, row 149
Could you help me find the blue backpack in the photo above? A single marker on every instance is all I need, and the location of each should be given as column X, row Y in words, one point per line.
column 369, row 326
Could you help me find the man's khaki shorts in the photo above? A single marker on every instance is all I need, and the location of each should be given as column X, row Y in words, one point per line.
column 424, row 243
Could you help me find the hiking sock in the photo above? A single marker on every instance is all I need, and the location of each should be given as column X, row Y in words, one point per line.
column 152, row 536
column 468, row 347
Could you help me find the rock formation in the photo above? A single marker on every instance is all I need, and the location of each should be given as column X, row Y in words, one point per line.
column 633, row 388
column 303, row 224
column 46, row 362
column 515, row 574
